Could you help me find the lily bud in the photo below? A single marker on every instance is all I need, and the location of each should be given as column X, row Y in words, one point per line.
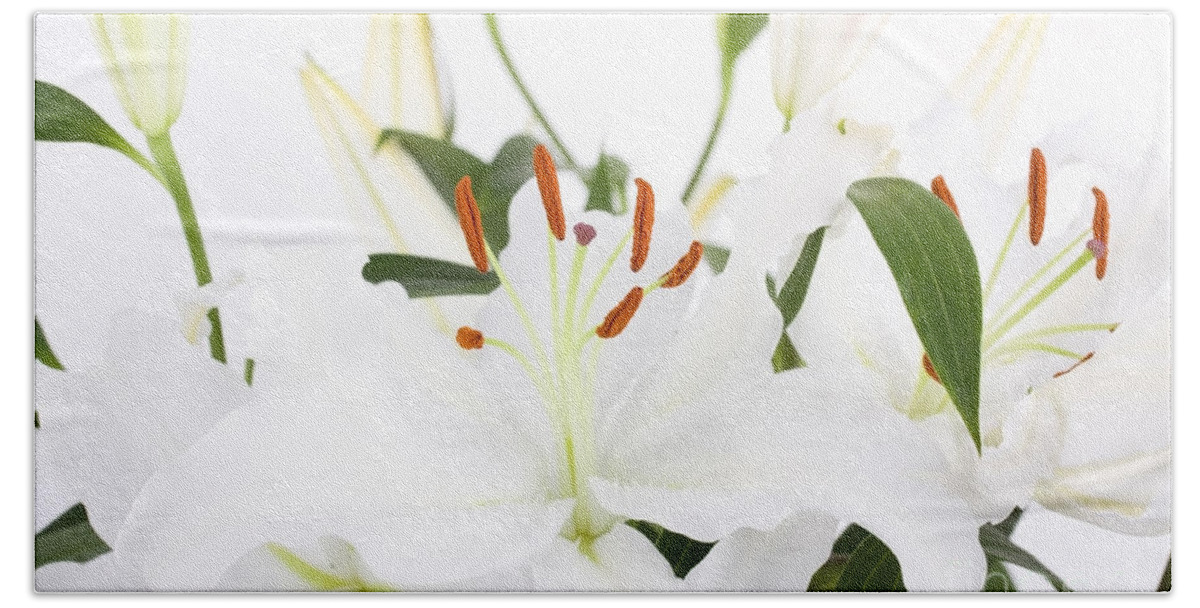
column 146, row 58
column 811, row 54
column 401, row 84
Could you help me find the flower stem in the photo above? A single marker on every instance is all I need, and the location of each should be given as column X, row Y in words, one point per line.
column 163, row 152
column 718, row 122
column 494, row 30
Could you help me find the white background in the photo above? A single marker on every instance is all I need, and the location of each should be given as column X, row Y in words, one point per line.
column 681, row 127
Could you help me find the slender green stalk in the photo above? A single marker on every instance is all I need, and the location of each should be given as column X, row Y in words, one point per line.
column 1038, row 298
column 494, row 29
column 718, row 122
column 163, row 152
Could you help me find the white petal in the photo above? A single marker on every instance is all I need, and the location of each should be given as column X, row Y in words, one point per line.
column 621, row 560
column 107, row 431
column 781, row 559
column 404, row 483
column 1088, row 558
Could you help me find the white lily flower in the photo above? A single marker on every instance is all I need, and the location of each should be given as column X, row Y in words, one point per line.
column 812, row 54
column 804, row 185
column 401, row 82
column 146, row 58
column 512, row 459
column 1047, row 420
column 105, row 432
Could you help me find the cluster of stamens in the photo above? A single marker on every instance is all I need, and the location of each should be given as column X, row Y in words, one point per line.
column 617, row 319
column 1096, row 249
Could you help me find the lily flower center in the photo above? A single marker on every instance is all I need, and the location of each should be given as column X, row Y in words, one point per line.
column 564, row 371
column 1005, row 337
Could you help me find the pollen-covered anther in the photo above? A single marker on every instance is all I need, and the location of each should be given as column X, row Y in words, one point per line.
column 939, row 188
column 643, row 224
column 1037, row 195
column 1100, row 219
column 1077, row 364
column 679, row 273
column 547, row 181
column 618, row 318
column 471, row 222
column 927, row 363
column 468, row 338
column 584, row 233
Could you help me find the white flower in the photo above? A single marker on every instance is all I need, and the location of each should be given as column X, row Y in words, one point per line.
column 146, row 58
column 105, row 432
column 804, row 186
column 1056, row 342
column 512, row 464
column 812, row 54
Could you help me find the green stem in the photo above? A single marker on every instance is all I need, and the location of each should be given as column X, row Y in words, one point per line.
column 163, row 152
column 494, row 29
column 718, row 122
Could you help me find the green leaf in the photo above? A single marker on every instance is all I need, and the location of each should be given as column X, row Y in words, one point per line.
column 680, row 551
column 1164, row 584
column 795, row 288
column 859, row 562
column 606, row 185
column 717, row 257
column 511, row 168
column 994, row 538
column 735, row 32
column 61, row 116
column 934, row 266
column 426, row 277
column 494, row 184
column 69, row 538
column 785, row 357
column 41, row 348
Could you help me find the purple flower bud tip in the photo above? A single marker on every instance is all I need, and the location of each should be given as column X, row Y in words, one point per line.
column 584, row 233
column 1098, row 247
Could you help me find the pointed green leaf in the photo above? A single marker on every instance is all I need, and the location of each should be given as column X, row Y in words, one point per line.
column 935, row 269
column 680, row 551
column 41, row 348
column 606, row 185
column 859, row 561
column 61, row 116
column 1164, row 584
column 426, row 277
column 69, row 538
column 791, row 295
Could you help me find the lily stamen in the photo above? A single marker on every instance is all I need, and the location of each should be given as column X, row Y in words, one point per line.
column 547, row 181
column 469, row 338
column 619, row 317
column 927, row 363
column 471, row 222
column 1100, row 220
column 1037, row 195
column 643, row 224
column 679, row 273
column 941, row 191
column 1081, row 361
